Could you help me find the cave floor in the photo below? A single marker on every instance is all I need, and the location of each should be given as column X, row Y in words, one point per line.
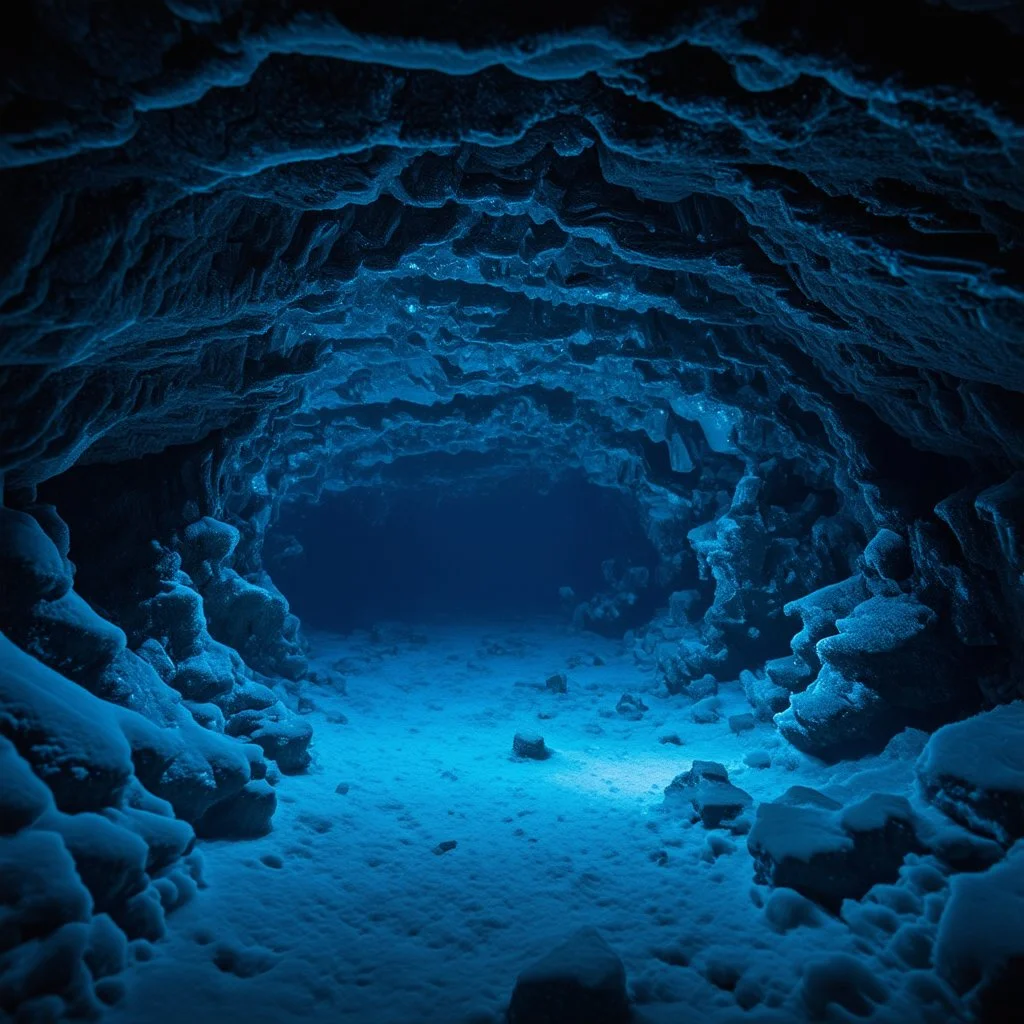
column 345, row 912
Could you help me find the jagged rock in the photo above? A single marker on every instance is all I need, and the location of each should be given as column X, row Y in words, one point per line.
column 557, row 683
column 809, row 842
column 580, row 982
column 705, row 712
column 974, row 772
column 889, row 666
column 705, row 787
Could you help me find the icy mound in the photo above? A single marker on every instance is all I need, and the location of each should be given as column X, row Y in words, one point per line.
column 974, row 771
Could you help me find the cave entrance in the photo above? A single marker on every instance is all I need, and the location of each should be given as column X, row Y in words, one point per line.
column 430, row 554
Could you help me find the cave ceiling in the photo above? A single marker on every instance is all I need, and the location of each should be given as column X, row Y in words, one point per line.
column 327, row 247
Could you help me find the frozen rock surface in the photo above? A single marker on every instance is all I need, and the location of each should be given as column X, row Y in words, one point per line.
column 812, row 844
column 580, row 982
column 974, row 771
column 980, row 943
column 531, row 746
column 705, row 787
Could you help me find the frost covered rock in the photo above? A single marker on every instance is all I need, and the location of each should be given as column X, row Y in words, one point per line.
column 23, row 797
column 580, row 982
column 631, row 708
column 889, row 666
column 530, row 745
column 974, row 771
column 246, row 815
column 979, row 949
column 705, row 787
column 282, row 735
column 886, row 561
column 808, row 842
column 90, row 858
column 70, row 738
column 706, row 711
column 31, row 567
column 249, row 615
column 764, row 696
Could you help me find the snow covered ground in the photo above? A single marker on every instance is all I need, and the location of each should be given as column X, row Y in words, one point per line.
column 350, row 912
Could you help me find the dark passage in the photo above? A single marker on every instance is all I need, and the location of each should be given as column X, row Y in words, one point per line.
column 423, row 554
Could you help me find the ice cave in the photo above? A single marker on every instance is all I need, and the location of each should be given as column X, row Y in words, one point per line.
column 511, row 512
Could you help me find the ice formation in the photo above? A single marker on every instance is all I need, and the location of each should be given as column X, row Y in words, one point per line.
column 326, row 307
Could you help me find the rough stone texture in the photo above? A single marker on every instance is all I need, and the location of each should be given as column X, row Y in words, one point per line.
column 705, row 789
column 581, row 982
column 974, row 772
column 531, row 746
column 808, row 842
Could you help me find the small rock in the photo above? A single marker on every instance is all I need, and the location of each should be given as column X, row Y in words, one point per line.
column 530, row 745
column 558, row 683
column 705, row 712
column 706, row 686
column 758, row 759
column 445, row 847
column 341, row 788
column 672, row 738
column 631, row 707
column 741, row 723
column 581, row 982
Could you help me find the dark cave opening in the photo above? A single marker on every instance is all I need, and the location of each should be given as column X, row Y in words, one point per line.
column 432, row 553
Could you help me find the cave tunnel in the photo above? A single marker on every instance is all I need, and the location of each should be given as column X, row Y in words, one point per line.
column 512, row 514
column 522, row 548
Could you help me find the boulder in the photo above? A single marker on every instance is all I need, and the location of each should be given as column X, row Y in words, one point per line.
column 974, row 771
column 808, row 842
column 31, row 567
column 580, row 982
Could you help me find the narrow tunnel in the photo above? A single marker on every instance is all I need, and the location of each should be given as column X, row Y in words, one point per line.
column 511, row 516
